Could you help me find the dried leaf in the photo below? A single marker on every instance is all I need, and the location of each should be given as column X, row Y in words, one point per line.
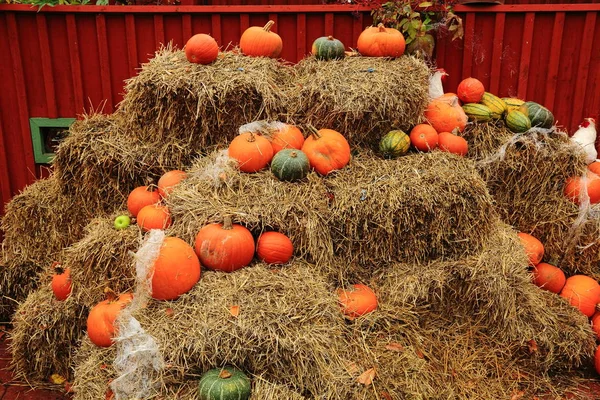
column 386, row 396
column 169, row 311
column 352, row 368
column 57, row 379
column 516, row 395
column 234, row 311
column 533, row 347
column 420, row 354
column 366, row 378
column 395, row 347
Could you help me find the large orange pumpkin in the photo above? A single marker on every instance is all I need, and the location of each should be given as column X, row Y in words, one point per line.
column 445, row 115
column 261, row 42
column 61, row 282
column 357, row 301
column 201, row 49
column 140, row 197
column 224, row 247
column 596, row 323
column 582, row 292
column 533, row 248
column 274, row 248
column 575, row 185
column 154, row 216
column 424, row 137
column 101, row 320
column 549, row 277
column 169, row 180
column 379, row 41
column 175, row 271
column 287, row 137
column 253, row 152
column 470, row 90
column 327, row 150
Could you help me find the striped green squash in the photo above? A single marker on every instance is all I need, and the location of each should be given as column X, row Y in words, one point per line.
column 512, row 104
column 225, row 383
column 538, row 115
column 328, row 48
column 290, row 165
column 394, row 144
column 517, row 122
column 477, row 112
column 496, row 105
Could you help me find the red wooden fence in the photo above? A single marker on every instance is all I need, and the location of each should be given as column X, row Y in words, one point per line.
column 64, row 59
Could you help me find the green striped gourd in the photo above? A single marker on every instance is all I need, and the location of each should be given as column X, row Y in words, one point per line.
column 517, row 122
column 496, row 105
column 226, row 383
column 328, row 48
column 394, row 144
column 290, row 165
column 477, row 112
column 512, row 104
column 539, row 115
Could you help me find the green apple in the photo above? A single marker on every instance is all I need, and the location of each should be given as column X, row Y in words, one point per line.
column 122, row 222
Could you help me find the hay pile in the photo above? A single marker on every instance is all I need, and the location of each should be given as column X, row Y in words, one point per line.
column 360, row 97
column 526, row 175
column 203, row 105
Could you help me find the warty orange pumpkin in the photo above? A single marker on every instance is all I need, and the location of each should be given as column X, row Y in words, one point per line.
column 379, row 41
column 327, row 150
column 101, row 320
column 253, row 152
column 175, row 271
column 140, row 197
column 261, row 41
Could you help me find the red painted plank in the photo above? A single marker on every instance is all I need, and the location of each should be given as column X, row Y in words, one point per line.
column 216, row 28
column 467, row 69
column 244, row 22
column 75, row 62
column 497, row 43
column 159, row 31
column 186, row 22
column 46, row 61
column 5, row 173
column 357, row 28
column 301, row 36
column 104, row 62
column 525, row 55
column 584, row 67
column 555, row 51
column 132, row 56
column 273, row 17
column 328, row 24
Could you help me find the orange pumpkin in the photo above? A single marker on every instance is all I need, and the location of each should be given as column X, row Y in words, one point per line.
column 327, row 150
column 175, row 271
column 596, row 323
column 253, row 152
column 597, row 360
column 533, row 248
column 582, row 292
column 446, row 115
column 450, row 98
column 575, row 185
column 61, row 282
column 470, row 90
column 549, row 277
column 379, row 41
column 424, row 137
column 201, row 49
column 359, row 300
column 287, row 137
column 169, row 180
column 595, row 167
column 140, row 197
column 154, row 216
column 261, row 42
column 274, row 248
column 101, row 319
column 452, row 143
column 224, row 247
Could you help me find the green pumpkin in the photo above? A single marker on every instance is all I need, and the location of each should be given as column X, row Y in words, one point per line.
column 538, row 115
column 227, row 383
column 394, row 144
column 328, row 48
column 290, row 165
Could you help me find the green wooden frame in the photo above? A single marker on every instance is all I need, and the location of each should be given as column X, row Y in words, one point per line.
column 36, row 125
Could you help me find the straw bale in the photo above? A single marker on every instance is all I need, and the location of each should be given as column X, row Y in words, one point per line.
column 215, row 188
column 92, row 370
column 417, row 207
column 360, row 97
column 204, row 105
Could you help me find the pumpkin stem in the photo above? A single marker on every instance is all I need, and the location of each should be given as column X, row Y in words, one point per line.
column 294, row 154
column 57, row 267
column 251, row 138
column 381, row 27
column 227, row 223
column 224, row 374
column 109, row 294
column 314, row 131
column 330, row 38
column 268, row 26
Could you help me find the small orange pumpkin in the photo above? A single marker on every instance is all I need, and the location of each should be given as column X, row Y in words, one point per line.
column 140, row 197
column 596, row 323
column 101, row 320
column 452, row 143
column 154, row 216
column 175, row 271
column 594, row 167
column 224, row 247
column 327, row 150
column 261, row 42
column 359, row 300
column 445, row 115
column 379, row 41
column 582, row 292
column 287, row 137
column 169, row 180
column 253, row 152
column 424, row 137
column 533, row 248
column 549, row 277
column 470, row 90
column 575, row 185
column 597, row 359
column 201, row 49
column 274, row 248
column 61, row 282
